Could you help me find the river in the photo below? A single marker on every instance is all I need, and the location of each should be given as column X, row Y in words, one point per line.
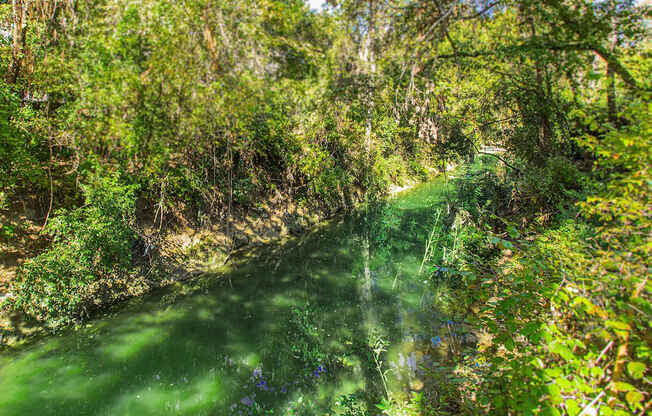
column 309, row 326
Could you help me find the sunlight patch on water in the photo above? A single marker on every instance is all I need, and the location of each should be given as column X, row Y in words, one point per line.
column 205, row 314
column 185, row 398
column 127, row 346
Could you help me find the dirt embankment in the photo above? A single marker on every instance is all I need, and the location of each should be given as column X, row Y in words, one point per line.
column 210, row 244
column 185, row 248
column 20, row 239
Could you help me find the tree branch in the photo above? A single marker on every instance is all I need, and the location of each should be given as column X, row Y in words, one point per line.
column 599, row 50
column 481, row 12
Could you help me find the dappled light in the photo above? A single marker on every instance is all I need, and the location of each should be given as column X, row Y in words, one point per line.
column 325, row 207
column 270, row 339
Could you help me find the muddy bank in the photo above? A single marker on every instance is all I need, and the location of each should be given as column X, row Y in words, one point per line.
column 167, row 252
column 171, row 254
column 176, row 250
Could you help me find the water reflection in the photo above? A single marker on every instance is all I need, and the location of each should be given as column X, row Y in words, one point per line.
column 291, row 332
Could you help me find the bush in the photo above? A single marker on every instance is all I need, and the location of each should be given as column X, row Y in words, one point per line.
column 479, row 191
column 549, row 186
column 532, row 190
column 568, row 306
column 89, row 258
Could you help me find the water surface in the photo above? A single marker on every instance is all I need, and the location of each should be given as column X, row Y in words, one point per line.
column 291, row 330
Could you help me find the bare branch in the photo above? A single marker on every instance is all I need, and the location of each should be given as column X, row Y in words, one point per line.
column 481, row 12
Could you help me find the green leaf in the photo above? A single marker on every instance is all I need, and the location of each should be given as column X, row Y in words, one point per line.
column 556, row 347
column 597, row 372
column 622, row 386
column 618, row 325
column 634, row 398
column 564, row 384
column 572, row 407
column 636, row 369
column 592, row 75
column 555, row 393
column 513, row 232
column 550, row 411
column 509, row 343
column 553, row 372
column 383, row 405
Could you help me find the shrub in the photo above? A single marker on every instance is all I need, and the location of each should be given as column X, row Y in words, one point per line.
column 91, row 253
column 568, row 309
column 479, row 190
column 549, row 186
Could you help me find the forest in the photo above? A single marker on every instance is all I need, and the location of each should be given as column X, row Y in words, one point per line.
column 470, row 174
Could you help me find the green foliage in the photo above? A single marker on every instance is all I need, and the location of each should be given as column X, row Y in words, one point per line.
column 208, row 105
column 21, row 153
column 306, row 337
column 89, row 259
column 479, row 190
column 568, row 306
column 546, row 187
column 353, row 405
column 488, row 193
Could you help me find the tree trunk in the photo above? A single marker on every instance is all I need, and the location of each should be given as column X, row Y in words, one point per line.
column 18, row 46
column 612, row 109
column 545, row 126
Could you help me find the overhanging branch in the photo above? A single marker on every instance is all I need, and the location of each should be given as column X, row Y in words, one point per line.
column 602, row 52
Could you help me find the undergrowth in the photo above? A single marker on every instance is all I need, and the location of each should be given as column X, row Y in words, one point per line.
column 563, row 288
column 90, row 262
column 553, row 266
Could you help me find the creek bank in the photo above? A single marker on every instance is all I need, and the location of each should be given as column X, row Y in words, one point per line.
column 177, row 253
column 184, row 253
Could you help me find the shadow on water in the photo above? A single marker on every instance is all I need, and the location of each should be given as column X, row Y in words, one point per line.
column 287, row 331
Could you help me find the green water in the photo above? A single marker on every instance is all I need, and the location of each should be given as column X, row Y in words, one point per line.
column 286, row 332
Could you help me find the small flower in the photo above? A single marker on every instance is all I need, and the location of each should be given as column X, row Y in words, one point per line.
column 435, row 341
column 247, row 401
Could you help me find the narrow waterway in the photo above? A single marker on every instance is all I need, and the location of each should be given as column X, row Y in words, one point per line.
column 293, row 329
